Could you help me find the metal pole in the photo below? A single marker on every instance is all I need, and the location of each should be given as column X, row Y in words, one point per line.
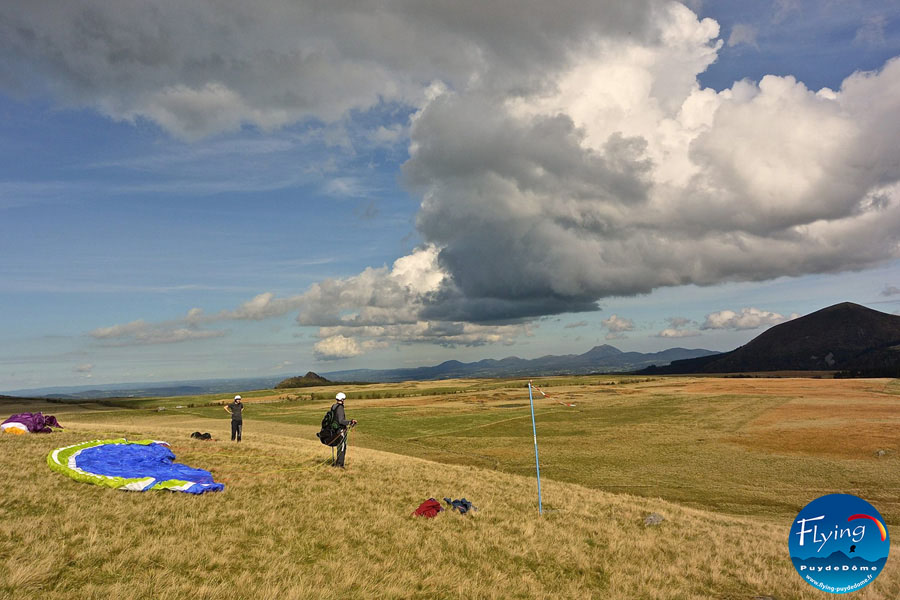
column 537, row 462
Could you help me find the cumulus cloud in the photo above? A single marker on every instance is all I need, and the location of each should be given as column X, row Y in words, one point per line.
column 627, row 176
column 747, row 318
column 616, row 327
column 261, row 306
column 388, row 305
column 617, row 324
column 336, row 347
column 564, row 153
column 377, row 296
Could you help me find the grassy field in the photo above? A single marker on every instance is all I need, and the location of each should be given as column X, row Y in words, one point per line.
column 727, row 462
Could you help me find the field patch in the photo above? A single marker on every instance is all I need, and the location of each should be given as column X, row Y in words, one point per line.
column 850, row 427
column 288, row 526
column 728, row 463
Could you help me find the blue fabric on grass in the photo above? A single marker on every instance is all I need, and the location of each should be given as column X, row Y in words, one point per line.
column 462, row 505
column 140, row 460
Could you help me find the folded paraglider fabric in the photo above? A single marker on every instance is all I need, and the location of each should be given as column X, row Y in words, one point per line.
column 30, row 423
column 135, row 466
column 15, row 428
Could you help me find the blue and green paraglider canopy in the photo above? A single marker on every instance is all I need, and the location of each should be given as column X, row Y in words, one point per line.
column 130, row 465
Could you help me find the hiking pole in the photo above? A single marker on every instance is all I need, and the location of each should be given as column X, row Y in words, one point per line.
column 537, row 462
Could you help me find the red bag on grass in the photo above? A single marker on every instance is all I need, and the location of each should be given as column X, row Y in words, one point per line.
column 430, row 508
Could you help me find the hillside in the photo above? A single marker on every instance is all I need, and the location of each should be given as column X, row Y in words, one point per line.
column 844, row 337
column 599, row 359
column 288, row 527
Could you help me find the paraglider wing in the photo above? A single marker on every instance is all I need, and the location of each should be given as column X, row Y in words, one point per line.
column 30, row 423
column 130, row 465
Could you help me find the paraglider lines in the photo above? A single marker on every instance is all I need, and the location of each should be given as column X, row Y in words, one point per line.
column 530, row 385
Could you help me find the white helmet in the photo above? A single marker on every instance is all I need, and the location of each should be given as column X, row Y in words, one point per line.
column 237, row 397
column 340, row 396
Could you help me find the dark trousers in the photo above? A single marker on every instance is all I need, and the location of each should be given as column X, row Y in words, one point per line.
column 341, row 451
column 236, row 427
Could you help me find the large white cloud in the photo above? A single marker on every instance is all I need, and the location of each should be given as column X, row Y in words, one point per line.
column 626, row 176
column 746, row 318
column 385, row 305
column 564, row 152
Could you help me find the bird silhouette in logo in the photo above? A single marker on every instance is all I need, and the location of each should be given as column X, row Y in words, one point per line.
column 852, row 548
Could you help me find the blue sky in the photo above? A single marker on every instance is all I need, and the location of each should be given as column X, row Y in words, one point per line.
column 190, row 194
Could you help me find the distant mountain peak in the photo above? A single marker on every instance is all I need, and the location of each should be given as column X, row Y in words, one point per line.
column 602, row 351
column 310, row 379
column 841, row 337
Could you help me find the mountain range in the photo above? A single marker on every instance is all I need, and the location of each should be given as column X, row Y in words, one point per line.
column 599, row 359
column 193, row 387
column 846, row 338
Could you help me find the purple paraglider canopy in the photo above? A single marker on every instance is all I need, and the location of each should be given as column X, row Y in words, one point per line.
column 32, row 422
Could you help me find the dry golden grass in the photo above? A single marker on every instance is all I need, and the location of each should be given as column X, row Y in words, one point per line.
column 286, row 527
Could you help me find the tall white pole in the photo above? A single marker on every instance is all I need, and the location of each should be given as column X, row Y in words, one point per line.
column 537, row 462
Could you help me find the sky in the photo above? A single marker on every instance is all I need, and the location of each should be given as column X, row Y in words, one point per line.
column 194, row 190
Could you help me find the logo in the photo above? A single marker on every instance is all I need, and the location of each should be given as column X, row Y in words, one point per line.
column 839, row 543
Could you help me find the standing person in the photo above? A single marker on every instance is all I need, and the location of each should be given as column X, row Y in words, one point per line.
column 235, row 409
column 341, row 419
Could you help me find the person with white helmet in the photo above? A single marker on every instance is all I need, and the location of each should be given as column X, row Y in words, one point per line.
column 341, row 419
column 236, row 409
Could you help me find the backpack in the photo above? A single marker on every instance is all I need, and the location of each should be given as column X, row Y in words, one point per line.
column 329, row 421
column 330, row 432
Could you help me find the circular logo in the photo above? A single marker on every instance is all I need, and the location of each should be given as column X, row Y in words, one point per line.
column 839, row 543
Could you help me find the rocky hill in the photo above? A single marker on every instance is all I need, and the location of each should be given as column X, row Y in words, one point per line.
column 309, row 380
